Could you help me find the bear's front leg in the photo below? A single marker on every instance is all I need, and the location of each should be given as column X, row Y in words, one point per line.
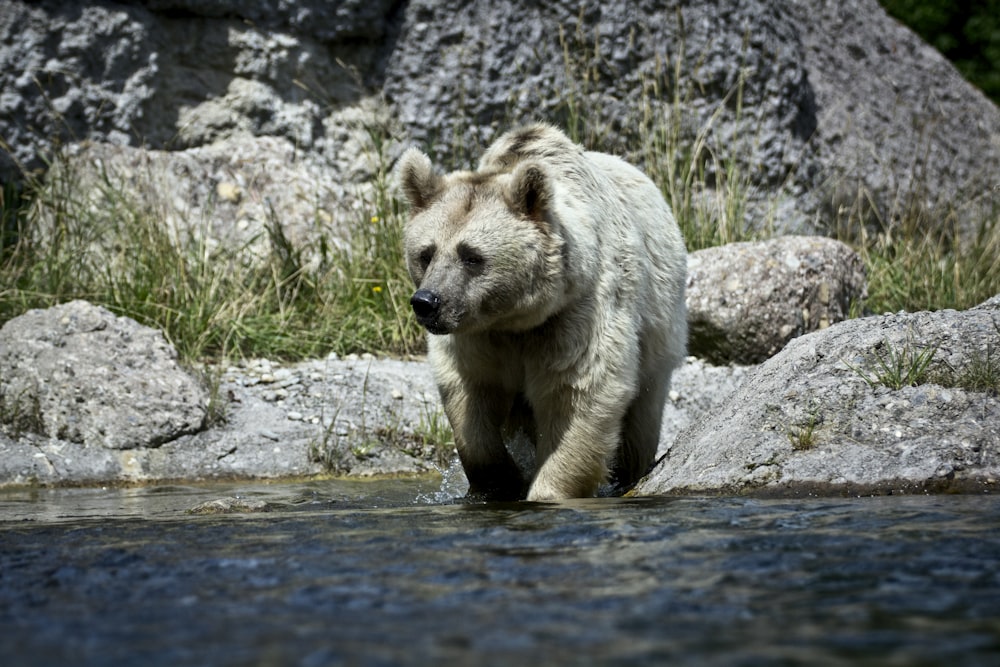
column 577, row 439
column 477, row 415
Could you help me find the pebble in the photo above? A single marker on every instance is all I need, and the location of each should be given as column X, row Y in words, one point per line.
column 289, row 382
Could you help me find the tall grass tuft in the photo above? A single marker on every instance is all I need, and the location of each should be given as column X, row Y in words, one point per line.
column 919, row 259
column 707, row 191
column 212, row 301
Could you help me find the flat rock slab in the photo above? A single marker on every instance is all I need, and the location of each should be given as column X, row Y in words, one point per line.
column 809, row 419
column 346, row 416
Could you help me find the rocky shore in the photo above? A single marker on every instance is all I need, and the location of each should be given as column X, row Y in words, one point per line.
column 814, row 418
column 358, row 416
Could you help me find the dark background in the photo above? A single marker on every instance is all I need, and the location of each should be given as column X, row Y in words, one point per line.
column 966, row 32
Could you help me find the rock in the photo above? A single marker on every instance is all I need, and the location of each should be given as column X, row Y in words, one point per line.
column 230, row 505
column 560, row 60
column 896, row 121
column 697, row 391
column 837, row 99
column 230, row 193
column 807, row 419
column 747, row 300
column 348, row 422
column 79, row 374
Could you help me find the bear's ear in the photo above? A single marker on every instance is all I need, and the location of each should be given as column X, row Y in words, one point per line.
column 417, row 178
column 530, row 192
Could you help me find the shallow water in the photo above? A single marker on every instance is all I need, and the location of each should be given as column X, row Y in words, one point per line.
column 386, row 574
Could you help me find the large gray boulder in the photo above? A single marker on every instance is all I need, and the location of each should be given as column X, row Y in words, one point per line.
column 179, row 74
column 747, row 300
column 828, row 103
column 820, row 417
column 895, row 120
column 78, row 373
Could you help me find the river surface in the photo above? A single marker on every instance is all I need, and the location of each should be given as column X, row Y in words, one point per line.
column 392, row 573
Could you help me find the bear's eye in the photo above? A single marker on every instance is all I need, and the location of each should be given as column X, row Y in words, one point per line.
column 425, row 257
column 470, row 257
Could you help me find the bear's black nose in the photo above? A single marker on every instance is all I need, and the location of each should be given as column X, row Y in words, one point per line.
column 425, row 304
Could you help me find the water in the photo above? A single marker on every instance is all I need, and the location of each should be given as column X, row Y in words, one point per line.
column 363, row 574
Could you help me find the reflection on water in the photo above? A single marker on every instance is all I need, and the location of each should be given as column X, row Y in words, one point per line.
column 355, row 573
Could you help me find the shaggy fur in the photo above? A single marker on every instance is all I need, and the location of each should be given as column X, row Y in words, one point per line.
column 551, row 281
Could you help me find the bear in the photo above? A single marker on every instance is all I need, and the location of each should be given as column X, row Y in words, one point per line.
column 551, row 283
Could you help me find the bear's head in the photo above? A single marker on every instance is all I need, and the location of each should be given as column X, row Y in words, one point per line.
column 483, row 248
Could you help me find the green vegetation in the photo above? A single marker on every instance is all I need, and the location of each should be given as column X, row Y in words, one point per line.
column 917, row 259
column 967, row 33
column 911, row 365
column 707, row 192
column 805, row 436
column 981, row 373
column 338, row 446
column 433, row 429
column 896, row 368
column 64, row 242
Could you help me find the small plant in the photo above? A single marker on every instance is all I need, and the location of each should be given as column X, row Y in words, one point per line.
column 980, row 373
column 804, row 436
column 430, row 439
column 896, row 368
column 216, row 411
column 19, row 415
column 327, row 449
column 435, row 434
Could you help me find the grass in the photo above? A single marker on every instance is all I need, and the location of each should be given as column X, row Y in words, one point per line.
column 910, row 365
column 707, row 192
column 896, row 367
column 918, row 259
column 64, row 242
column 805, row 436
column 980, row 372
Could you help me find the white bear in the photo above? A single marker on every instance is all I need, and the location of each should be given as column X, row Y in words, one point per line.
column 551, row 282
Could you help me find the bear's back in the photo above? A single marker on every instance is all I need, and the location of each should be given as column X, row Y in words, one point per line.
column 538, row 142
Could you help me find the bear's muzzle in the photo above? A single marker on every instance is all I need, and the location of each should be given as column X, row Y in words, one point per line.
column 426, row 306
